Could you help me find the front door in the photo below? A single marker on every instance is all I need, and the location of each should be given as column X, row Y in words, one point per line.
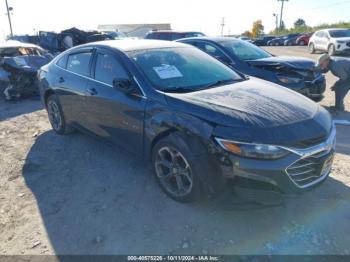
column 113, row 114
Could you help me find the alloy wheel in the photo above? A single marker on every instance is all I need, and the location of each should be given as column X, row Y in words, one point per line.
column 54, row 115
column 173, row 172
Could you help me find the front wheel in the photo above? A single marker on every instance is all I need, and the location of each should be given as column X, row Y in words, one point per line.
column 331, row 50
column 301, row 43
column 312, row 48
column 181, row 173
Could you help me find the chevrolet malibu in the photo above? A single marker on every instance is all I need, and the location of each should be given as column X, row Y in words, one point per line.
column 196, row 120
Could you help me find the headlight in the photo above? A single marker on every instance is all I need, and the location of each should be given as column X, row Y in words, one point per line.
column 252, row 150
column 289, row 79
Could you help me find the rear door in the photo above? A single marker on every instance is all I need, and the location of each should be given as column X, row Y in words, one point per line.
column 113, row 114
column 71, row 80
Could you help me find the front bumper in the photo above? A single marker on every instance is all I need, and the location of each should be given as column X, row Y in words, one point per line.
column 300, row 170
column 314, row 89
column 342, row 48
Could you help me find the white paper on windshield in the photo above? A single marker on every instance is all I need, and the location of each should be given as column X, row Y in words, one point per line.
column 167, row 71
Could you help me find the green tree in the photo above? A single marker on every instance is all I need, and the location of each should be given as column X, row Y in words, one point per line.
column 299, row 23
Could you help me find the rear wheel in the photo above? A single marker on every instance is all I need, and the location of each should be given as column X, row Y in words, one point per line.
column 312, row 48
column 331, row 50
column 56, row 116
column 301, row 43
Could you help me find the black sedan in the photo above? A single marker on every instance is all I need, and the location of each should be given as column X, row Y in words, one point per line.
column 296, row 73
column 200, row 123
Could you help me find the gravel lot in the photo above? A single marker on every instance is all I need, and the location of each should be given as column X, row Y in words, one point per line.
column 76, row 195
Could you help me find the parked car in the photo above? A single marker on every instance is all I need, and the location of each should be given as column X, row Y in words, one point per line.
column 245, row 38
column 263, row 41
column 170, row 35
column 334, row 41
column 303, row 39
column 290, row 41
column 279, row 41
column 199, row 122
column 296, row 73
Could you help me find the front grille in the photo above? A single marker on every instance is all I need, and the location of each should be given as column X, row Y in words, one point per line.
column 306, row 171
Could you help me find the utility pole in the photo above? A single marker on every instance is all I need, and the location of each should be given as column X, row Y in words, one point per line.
column 281, row 16
column 276, row 16
column 9, row 16
column 222, row 26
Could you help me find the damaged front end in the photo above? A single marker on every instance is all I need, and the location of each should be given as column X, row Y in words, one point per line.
column 298, row 75
column 19, row 73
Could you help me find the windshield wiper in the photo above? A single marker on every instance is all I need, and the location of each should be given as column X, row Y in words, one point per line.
column 178, row 89
column 221, row 83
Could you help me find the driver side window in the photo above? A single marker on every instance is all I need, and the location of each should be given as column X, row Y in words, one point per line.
column 108, row 68
column 213, row 51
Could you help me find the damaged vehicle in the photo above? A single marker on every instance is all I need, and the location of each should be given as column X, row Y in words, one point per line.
column 196, row 120
column 296, row 73
column 19, row 63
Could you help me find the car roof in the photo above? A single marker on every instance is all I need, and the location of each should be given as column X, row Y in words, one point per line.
column 210, row 38
column 329, row 29
column 171, row 31
column 126, row 45
column 13, row 44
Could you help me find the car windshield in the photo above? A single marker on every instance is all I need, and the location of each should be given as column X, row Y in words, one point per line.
column 245, row 51
column 339, row 33
column 182, row 69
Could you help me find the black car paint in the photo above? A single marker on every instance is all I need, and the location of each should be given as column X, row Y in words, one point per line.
column 253, row 110
column 313, row 86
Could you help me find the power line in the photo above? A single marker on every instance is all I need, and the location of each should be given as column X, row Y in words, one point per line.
column 324, row 6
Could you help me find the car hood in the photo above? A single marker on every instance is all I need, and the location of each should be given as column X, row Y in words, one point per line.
column 286, row 61
column 256, row 110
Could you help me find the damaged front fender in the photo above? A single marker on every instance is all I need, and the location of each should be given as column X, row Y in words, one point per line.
column 160, row 122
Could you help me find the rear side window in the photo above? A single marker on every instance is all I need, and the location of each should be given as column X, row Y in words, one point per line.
column 79, row 63
column 108, row 68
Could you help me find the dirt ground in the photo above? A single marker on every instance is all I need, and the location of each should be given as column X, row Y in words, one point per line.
column 75, row 195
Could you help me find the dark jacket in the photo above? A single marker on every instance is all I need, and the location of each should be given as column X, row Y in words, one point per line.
column 340, row 67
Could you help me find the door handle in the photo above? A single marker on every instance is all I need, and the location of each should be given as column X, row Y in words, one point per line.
column 92, row 91
column 61, row 80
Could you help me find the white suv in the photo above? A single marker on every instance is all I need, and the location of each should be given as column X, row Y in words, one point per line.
column 333, row 41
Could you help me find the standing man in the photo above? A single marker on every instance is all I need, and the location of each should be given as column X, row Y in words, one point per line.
column 340, row 67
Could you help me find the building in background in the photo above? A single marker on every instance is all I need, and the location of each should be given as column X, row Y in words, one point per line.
column 134, row 30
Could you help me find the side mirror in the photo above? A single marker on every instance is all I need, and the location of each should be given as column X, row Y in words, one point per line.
column 123, row 84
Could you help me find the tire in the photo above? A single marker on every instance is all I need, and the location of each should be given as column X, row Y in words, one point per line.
column 331, row 50
column 302, row 43
column 56, row 117
column 178, row 169
column 289, row 44
column 312, row 48
column 276, row 44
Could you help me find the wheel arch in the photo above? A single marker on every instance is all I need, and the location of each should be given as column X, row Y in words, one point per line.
column 197, row 132
column 47, row 94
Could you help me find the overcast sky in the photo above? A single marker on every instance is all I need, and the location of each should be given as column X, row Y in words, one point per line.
column 203, row 15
